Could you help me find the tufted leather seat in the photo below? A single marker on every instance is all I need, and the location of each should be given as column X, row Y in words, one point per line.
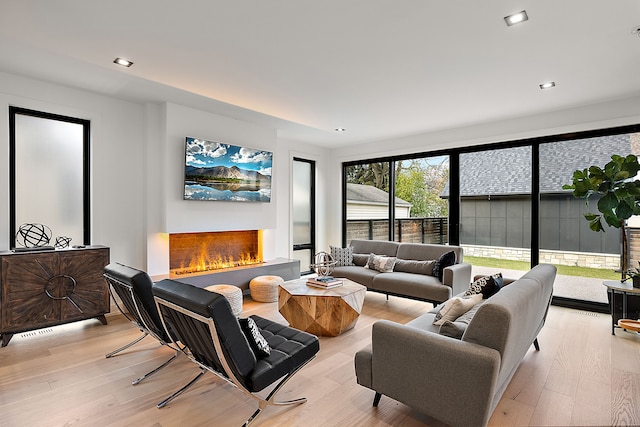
column 213, row 339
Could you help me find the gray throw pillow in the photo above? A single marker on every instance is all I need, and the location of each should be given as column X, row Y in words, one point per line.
column 342, row 256
column 360, row 259
column 413, row 266
column 452, row 329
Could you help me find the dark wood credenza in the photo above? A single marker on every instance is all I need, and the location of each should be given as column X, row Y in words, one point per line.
column 47, row 288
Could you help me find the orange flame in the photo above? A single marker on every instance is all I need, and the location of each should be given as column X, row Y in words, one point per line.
column 203, row 260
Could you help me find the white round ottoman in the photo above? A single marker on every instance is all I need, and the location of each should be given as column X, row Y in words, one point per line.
column 233, row 294
column 265, row 288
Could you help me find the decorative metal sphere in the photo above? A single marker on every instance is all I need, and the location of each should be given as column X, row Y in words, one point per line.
column 33, row 235
column 62, row 242
column 323, row 263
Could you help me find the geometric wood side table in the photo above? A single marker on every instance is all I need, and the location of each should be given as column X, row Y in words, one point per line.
column 326, row 312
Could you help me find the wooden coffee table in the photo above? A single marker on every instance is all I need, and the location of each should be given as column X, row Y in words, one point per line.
column 326, row 312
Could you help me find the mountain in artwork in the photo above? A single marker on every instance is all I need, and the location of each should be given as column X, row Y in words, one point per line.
column 223, row 172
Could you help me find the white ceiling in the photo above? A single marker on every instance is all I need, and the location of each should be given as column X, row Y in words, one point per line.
column 379, row 68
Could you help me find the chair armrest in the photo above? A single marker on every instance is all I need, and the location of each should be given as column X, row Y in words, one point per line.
column 448, row 379
column 458, row 277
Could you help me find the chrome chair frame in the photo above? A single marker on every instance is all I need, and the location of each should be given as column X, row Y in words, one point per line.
column 139, row 322
column 228, row 375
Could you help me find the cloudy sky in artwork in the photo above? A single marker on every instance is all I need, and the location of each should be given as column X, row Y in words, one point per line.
column 205, row 154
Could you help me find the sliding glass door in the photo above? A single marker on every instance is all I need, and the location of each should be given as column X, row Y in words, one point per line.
column 584, row 257
column 495, row 210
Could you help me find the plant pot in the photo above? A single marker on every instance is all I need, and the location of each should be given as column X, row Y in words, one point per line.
column 635, row 280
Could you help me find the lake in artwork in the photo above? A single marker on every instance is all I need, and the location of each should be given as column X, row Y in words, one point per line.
column 225, row 192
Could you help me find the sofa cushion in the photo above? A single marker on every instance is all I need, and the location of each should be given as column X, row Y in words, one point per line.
column 411, row 285
column 380, row 263
column 342, row 256
column 414, row 266
column 425, row 251
column 486, row 285
column 380, row 247
column 364, row 276
column 456, row 307
column 447, row 259
column 424, row 323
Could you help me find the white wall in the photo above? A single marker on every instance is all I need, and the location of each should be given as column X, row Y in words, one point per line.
column 117, row 149
column 589, row 117
column 137, row 167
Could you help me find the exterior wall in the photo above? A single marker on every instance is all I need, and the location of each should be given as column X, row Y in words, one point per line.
column 506, row 222
column 372, row 211
column 579, row 259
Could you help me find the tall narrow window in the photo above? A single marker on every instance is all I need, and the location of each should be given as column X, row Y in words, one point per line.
column 49, row 174
column 303, row 212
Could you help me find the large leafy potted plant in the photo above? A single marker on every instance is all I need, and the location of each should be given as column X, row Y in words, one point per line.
column 619, row 196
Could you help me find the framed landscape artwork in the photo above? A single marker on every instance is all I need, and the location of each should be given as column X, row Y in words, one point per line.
column 225, row 172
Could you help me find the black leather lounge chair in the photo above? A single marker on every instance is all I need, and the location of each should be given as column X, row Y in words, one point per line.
column 213, row 338
column 133, row 287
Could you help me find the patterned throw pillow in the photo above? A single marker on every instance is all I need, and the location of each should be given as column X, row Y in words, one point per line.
column 383, row 264
column 447, row 259
column 342, row 256
column 487, row 286
column 258, row 343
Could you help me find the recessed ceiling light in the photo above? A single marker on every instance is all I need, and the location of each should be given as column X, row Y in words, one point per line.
column 547, row 85
column 516, row 18
column 340, row 129
column 123, row 62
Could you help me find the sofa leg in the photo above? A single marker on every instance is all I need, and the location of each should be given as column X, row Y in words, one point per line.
column 376, row 399
column 536, row 345
column 387, row 297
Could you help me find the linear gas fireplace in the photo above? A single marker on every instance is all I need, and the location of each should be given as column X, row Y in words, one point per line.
column 192, row 253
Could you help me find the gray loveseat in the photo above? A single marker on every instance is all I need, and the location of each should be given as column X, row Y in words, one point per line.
column 408, row 279
column 458, row 381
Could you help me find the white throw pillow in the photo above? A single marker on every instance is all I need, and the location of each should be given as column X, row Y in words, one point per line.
column 456, row 307
column 383, row 264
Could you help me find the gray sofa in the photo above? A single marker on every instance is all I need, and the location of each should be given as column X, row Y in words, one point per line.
column 458, row 381
column 407, row 279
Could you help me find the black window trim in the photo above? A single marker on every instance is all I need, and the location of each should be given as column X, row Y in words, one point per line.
column 454, row 189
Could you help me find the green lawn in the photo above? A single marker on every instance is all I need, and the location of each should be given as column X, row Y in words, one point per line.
column 566, row 270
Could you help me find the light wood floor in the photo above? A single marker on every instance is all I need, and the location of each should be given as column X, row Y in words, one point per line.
column 59, row 377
